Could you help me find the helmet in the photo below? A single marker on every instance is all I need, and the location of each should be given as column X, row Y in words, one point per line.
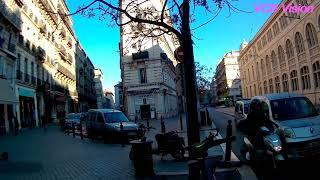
column 256, row 106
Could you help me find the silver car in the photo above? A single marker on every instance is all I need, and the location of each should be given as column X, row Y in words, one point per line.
column 296, row 121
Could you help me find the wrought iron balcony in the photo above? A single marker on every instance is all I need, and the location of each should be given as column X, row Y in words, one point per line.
column 12, row 48
column 41, row 54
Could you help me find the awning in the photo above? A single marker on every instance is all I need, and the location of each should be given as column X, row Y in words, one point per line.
column 6, row 93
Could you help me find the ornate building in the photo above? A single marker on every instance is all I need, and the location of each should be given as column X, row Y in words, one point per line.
column 284, row 56
column 148, row 69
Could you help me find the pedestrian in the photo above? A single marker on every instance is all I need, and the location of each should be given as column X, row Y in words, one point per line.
column 44, row 122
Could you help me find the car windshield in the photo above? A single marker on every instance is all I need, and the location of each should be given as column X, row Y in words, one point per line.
column 115, row 117
column 73, row 116
column 292, row 108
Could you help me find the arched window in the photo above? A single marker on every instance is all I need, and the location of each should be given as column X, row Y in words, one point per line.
column 302, row 2
column 294, row 80
column 258, row 72
column 270, row 86
column 285, row 84
column 274, row 60
column 277, row 82
column 281, row 55
column 265, row 87
column 299, row 43
column 305, row 78
column 289, row 49
column 316, row 73
column 311, row 35
column 268, row 64
column 262, row 65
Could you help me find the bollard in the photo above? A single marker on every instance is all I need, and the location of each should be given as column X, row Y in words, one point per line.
column 163, row 127
column 81, row 135
column 228, row 144
column 73, row 130
column 181, row 125
column 122, row 134
column 148, row 125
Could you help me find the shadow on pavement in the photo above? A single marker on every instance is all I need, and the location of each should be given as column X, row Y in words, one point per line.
column 20, row 167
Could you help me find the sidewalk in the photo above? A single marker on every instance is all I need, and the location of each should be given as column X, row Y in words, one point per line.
column 226, row 110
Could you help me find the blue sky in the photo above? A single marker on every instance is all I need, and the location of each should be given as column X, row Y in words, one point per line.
column 223, row 34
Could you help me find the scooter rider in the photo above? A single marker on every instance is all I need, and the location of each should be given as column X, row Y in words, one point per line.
column 256, row 118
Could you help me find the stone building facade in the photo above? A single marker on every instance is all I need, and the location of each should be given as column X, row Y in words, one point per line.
column 42, row 46
column 284, row 56
column 147, row 69
column 226, row 76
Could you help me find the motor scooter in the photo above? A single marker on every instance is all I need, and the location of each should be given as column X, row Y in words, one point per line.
column 271, row 148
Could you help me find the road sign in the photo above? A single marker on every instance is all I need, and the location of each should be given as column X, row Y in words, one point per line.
column 178, row 54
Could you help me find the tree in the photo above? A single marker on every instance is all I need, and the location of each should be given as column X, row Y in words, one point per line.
column 203, row 78
column 180, row 16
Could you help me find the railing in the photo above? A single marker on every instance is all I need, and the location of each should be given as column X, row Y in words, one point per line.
column 41, row 54
column 59, row 88
column 12, row 48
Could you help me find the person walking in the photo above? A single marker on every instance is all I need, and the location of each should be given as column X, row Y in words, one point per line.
column 16, row 125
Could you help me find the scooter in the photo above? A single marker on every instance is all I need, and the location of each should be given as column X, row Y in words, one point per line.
column 170, row 143
column 272, row 148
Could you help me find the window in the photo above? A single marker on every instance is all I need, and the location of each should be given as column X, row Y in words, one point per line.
column 26, row 66
column 294, row 80
column 115, row 117
column 264, row 41
column 32, row 69
column 299, row 43
column 281, row 55
column 268, row 64
column 259, row 45
column 274, row 60
column 311, row 35
column 283, row 22
column 316, row 73
column 289, row 49
column 302, row 2
column 253, row 75
column 143, row 78
column 276, row 29
column 257, row 68
column 270, row 86
column 260, row 89
column 263, row 71
column 19, row 62
column 277, row 82
column 265, row 86
column 2, row 68
column 285, row 84
column 305, row 78
column 255, row 89
column 269, row 35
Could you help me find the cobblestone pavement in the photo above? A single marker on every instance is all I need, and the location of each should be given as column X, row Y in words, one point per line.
column 50, row 155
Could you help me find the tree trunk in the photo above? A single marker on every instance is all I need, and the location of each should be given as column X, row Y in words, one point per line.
column 190, row 76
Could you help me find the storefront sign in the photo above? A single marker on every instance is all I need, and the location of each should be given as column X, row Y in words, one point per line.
column 25, row 92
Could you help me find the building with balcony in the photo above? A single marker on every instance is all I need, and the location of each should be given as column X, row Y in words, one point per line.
column 227, row 74
column 98, row 79
column 284, row 56
column 118, row 93
column 85, row 80
column 148, row 69
column 38, row 60
column 10, row 26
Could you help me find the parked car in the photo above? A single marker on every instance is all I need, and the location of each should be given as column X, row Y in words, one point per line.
column 74, row 118
column 296, row 121
column 106, row 123
column 241, row 110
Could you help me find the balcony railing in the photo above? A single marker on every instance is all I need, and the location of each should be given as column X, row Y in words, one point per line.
column 62, row 52
column 59, row 88
column 65, row 71
column 12, row 48
column 12, row 17
column 41, row 55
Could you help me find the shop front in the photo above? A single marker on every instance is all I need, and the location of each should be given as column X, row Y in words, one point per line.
column 7, row 102
column 27, row 108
